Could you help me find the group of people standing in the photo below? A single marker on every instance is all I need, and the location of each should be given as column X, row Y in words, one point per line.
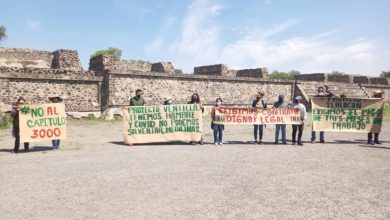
column 258, row 129
column 15, row 123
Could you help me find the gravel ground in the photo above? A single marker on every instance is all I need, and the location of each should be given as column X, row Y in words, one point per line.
column 95, row 176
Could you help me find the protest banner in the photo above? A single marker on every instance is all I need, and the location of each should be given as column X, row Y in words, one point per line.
column 347, row 114
column 233, row 115
column 166, row 123
column 42, row 122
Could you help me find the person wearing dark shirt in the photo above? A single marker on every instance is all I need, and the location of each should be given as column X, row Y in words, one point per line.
column 15, row 125
column 280, row 127
column 137, row 100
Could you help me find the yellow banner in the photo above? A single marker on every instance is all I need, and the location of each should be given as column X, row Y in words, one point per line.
column 166, row 123
column 347, row 114
column 42, row 122
column 232, row 115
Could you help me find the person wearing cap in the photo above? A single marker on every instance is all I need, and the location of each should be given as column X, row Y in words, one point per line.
column 195, row 99
column 321, row 93
column 377, row 94
column 280, row 104
column 15, row 125
column 55, row 99
column 259, row 102
column 137, row 100
column 298, row 104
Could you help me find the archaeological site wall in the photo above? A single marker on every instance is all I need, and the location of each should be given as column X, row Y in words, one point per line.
column 110, row 83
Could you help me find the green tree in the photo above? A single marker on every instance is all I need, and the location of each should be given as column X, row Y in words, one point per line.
column 293, row 73
column 283, row 75
column 115, row 52
column 2, row 32
column 178, row 71
column 385, row 74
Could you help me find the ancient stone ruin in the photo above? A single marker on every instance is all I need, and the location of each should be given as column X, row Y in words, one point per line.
column 109, row 84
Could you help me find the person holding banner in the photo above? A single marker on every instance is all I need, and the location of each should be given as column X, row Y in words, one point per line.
column 15, row 125
column 280, row 104
column 259, row 102
column 217, row 128
column 195, row 99
column 137, row 100
column 321, row 93
column 55, row 99
column 298, row 104
column 377, row 94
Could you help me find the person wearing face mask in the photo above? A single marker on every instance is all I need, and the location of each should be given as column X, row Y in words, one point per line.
column 218, row 129
column 15, row 125
column 259, row 102
column 195, row 99
column 137, row 100
column 280, row 104
column 321, row 92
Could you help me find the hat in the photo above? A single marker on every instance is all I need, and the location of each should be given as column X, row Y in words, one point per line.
column 378, row 92
column 298, row 97
column 281, row 96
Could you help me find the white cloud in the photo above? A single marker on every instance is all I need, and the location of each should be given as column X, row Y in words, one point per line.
column 200, row 43
column 33, row 25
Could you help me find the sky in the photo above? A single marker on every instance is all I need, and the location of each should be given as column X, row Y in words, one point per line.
column 311, row 36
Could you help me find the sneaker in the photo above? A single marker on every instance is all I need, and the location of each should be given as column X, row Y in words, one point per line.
column 255, row 142
column 220, row 143
column 377, row 142
column 300, row 144
column 201, row 142
column 284, row 142
column 294, row 143
column 370, row 143
column 215, row 143
column 322, row 141
column 260, row 142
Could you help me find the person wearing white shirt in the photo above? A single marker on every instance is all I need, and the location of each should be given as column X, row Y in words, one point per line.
column 298, row 104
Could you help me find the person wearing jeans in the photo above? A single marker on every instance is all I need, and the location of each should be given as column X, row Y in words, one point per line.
column 217, row 128
column 313, row 137
column 299, row 128
column 322, row 91
column 280, row 127
column 259, row 102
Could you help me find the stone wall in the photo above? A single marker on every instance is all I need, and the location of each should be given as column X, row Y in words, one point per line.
column 28, row 58
column 254, row 73
column 66, row 59
column 213, row 70
column 15, row 57
column 311, row 77
column 156, row 87
column 80, row 89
